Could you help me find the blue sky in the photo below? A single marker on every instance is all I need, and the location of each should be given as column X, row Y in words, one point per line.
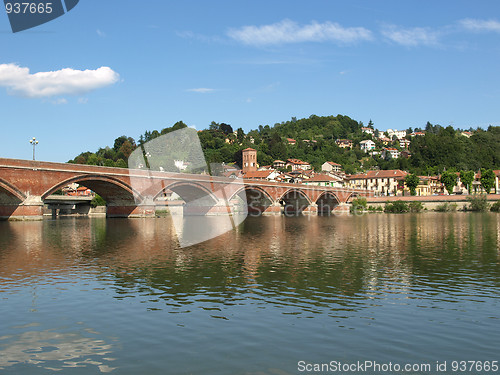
column 116, row 67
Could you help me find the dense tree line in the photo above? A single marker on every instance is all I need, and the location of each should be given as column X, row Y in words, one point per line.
column 442, row 148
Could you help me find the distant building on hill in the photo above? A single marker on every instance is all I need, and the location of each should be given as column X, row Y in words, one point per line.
column 367, row 145
column 297, row 164
column 344, row 143
column 330, row 166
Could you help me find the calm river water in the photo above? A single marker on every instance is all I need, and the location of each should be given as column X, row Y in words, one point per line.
column 88, row 296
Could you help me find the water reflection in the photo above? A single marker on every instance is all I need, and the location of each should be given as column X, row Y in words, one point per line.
column 400, row 285
column 55, row 350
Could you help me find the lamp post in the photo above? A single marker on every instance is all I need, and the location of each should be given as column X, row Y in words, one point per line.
column 34, row 142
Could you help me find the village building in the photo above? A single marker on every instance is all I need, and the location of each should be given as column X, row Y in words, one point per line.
column 404, row 143
column 277, row 164
column 296, row 164
column 249, row 160
column 367, row 145
column 385, row 140
column 398, row 133
column 386, row 182
column 291, row 141
column 270, row 175
column 368, row 131
column 330, row 166
column 324, row 180
column 390, row 153
column 344, row 143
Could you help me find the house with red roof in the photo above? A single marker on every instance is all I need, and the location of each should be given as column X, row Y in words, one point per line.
column 297, row 164
column 330, row 166
column 385, row 182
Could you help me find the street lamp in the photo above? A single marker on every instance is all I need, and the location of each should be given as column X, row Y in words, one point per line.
column 34, row 142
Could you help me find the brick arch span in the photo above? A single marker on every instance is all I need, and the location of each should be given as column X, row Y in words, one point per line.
column 248, row 188
column 113, row 190
column 352, row 195
column 9, row 194
column 190, row 192
column 258, row 200
column 298, row 191
column 296, row 201
column 327, row 202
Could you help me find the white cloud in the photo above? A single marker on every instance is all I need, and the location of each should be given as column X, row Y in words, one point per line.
column 201, row 90
column 288, row 31
column 411, row 37
column 480, row 25
column 19, row 81
column 102, row 34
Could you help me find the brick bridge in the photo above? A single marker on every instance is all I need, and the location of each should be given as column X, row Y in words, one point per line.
column 25, row 185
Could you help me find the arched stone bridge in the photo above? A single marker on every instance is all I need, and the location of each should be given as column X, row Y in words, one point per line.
column 24, row 185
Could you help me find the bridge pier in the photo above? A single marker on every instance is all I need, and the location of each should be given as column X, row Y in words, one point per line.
column 30, row 209
column 342, row 209
column 312, row 209
column 273, row 209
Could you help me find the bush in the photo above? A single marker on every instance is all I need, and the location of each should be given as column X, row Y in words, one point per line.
column 446, row 207
column 478, row 203
column 97, row 201
column 397, row 207
column 358, row 205
column 416, row 206
column 495, row 207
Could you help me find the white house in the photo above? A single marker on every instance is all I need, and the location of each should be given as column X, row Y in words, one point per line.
column 297, row 164
column 330, row 166
column 390, row 152
column 398, row 133
column 385, row 182
column 368, row 131
column 367, row 145
column 324, row 180
column 269, row 175
column 404, row 143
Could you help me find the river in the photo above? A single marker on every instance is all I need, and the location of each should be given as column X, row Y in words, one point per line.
column 278, row 294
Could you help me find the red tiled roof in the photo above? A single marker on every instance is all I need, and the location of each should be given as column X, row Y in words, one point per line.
column 249, row 149
column 334, row 164
column 297, row 161
column 391, row 173
column 257, row 174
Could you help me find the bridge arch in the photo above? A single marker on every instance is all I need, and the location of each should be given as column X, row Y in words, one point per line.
column 294, row 201
column 190, row 192
column 9, row 194
column 327, row 202
column 352, row 196
column 256, row 198
column 114, row 191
